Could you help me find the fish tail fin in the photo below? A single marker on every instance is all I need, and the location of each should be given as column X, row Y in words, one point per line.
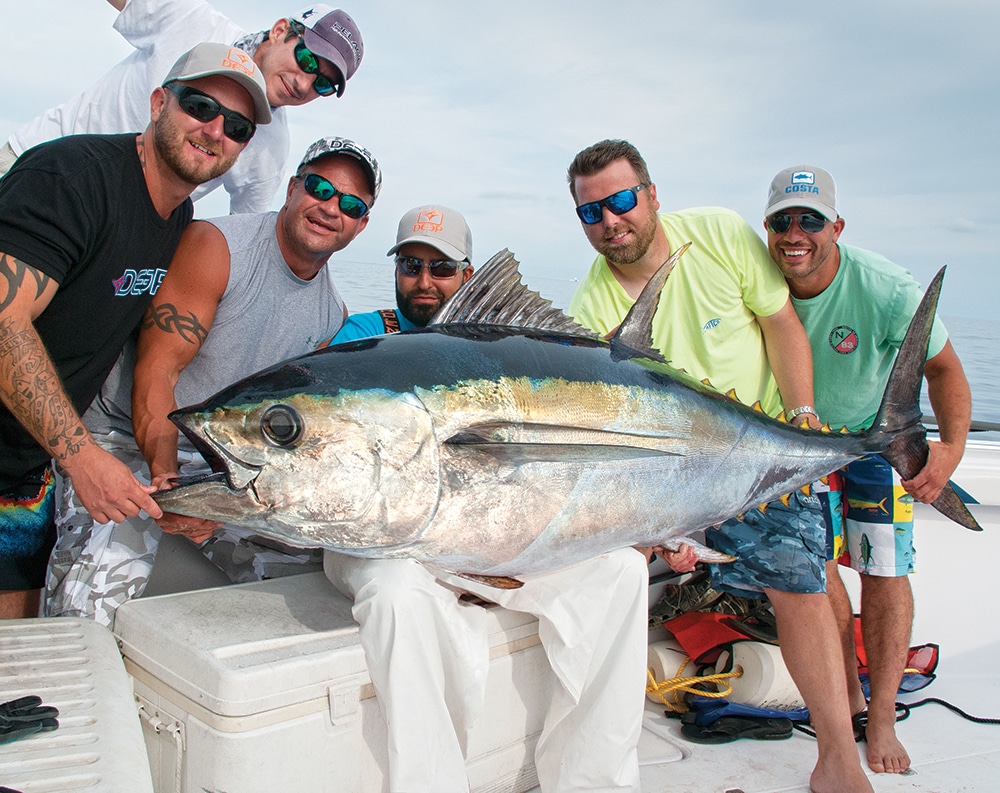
column 898, row 432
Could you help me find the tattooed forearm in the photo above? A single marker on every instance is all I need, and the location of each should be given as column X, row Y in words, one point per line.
column 13, row 274
column 33, row 393
column 167, row 318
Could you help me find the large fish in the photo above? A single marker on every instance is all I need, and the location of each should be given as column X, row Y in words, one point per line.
column 505, row 439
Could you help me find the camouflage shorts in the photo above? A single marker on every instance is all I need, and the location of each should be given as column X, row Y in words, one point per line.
column 96, row 567
column 782, row 548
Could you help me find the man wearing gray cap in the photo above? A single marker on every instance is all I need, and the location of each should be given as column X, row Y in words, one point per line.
column 427, row 644
column 243, row 292
column 88, row 224
column 856, row 307
column 309, row 54
column 433, row 253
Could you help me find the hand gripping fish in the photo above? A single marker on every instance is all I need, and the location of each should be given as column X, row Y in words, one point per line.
column 505, row 439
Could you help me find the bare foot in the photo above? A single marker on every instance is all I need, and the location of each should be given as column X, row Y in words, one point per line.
column 839, row 778
column 886, row 754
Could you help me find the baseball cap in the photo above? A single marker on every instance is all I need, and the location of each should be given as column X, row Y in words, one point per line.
column 332, row 34
column 208, row 58
column 803, row 186
column 334, row 145
column 440, row 227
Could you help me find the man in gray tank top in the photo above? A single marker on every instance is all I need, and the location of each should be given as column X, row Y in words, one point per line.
column 243, row 292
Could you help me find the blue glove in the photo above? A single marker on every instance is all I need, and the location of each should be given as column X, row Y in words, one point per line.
column 25, row 716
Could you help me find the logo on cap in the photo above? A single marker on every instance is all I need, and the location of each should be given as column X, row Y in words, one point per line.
column 430, row 220
column 803, row 177
column 237, row 60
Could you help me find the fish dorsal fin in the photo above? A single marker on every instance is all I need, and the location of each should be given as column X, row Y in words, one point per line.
column 495, row 295
column 635, row 334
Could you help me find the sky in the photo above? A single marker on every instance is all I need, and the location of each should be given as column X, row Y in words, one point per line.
column 482, row 106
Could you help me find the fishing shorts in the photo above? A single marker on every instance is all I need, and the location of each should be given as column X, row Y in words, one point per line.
column 782, row 547
column 27, row 531
column 878, row 520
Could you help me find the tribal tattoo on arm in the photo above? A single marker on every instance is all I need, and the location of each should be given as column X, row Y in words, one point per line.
column 167, row 318
column 13, row 275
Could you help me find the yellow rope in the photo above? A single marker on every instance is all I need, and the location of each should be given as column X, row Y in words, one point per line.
column 678, row 685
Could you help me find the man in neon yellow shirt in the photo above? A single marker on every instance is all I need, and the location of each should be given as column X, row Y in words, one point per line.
column 725, row 315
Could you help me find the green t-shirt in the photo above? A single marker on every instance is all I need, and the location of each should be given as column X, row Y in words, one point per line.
column 706, row 320
column 855, row 326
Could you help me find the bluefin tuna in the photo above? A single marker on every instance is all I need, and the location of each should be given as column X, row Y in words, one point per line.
column 505, row 439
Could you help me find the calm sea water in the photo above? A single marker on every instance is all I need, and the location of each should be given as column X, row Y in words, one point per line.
column 977, row 341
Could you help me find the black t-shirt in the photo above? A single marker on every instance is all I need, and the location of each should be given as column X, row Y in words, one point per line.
column 78, row 210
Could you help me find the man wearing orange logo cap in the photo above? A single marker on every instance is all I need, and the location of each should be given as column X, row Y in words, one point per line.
column 88, row 224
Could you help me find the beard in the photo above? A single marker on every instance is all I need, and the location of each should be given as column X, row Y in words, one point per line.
column 171, row 145
column 419, row 314
column 636, row 247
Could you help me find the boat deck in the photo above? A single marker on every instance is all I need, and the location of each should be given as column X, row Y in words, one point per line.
column 953, row 593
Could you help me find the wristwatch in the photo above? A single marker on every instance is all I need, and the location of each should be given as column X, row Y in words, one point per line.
column 792, row 414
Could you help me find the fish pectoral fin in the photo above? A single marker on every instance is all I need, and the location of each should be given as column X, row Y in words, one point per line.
column 567, row 443
column 525, row 453
column 495, row 581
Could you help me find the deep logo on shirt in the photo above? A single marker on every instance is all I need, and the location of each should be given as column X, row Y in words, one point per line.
column 133, row 283
column 844, row 339
column 711, row 324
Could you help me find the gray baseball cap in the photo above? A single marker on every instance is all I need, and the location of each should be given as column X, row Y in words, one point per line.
column 345, row 146
column 803, row 186
column 333, row 35
column 440, row 227
column 208, row 58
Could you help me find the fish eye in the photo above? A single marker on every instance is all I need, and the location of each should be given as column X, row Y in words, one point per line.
column 282, row 426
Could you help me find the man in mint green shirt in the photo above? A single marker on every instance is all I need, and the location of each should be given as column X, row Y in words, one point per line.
column 856, row 306
column 724, row 315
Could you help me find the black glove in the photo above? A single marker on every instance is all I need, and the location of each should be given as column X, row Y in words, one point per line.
column 25, row 716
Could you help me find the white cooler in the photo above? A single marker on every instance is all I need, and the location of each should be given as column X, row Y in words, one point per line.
column 74, row 665
column 263, row 687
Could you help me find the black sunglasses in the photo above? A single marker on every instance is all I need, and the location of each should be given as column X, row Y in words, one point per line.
column 439, row 268
column 201, row 106
column 621, row 202
column 809, row 222
column 320, row 188
column 309, row 63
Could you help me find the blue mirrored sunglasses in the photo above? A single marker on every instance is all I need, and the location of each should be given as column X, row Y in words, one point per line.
column 318, row 187
column 621, row 202
column 809, row 222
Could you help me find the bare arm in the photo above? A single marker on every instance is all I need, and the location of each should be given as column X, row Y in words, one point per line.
column 31, row 389
column 951, row 400
column 790, row 358
column 173, row 330
column 118, row 5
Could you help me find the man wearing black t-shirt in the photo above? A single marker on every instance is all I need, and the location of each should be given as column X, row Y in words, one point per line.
column 88, row 226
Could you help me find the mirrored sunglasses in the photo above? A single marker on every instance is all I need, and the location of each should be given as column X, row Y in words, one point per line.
column 619, row 203
column 439, row 268
column 809, row 222
column 318, row 187
column 309, row 63
column 201, row 106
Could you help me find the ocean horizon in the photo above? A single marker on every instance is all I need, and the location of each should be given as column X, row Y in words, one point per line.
column 976, row 340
